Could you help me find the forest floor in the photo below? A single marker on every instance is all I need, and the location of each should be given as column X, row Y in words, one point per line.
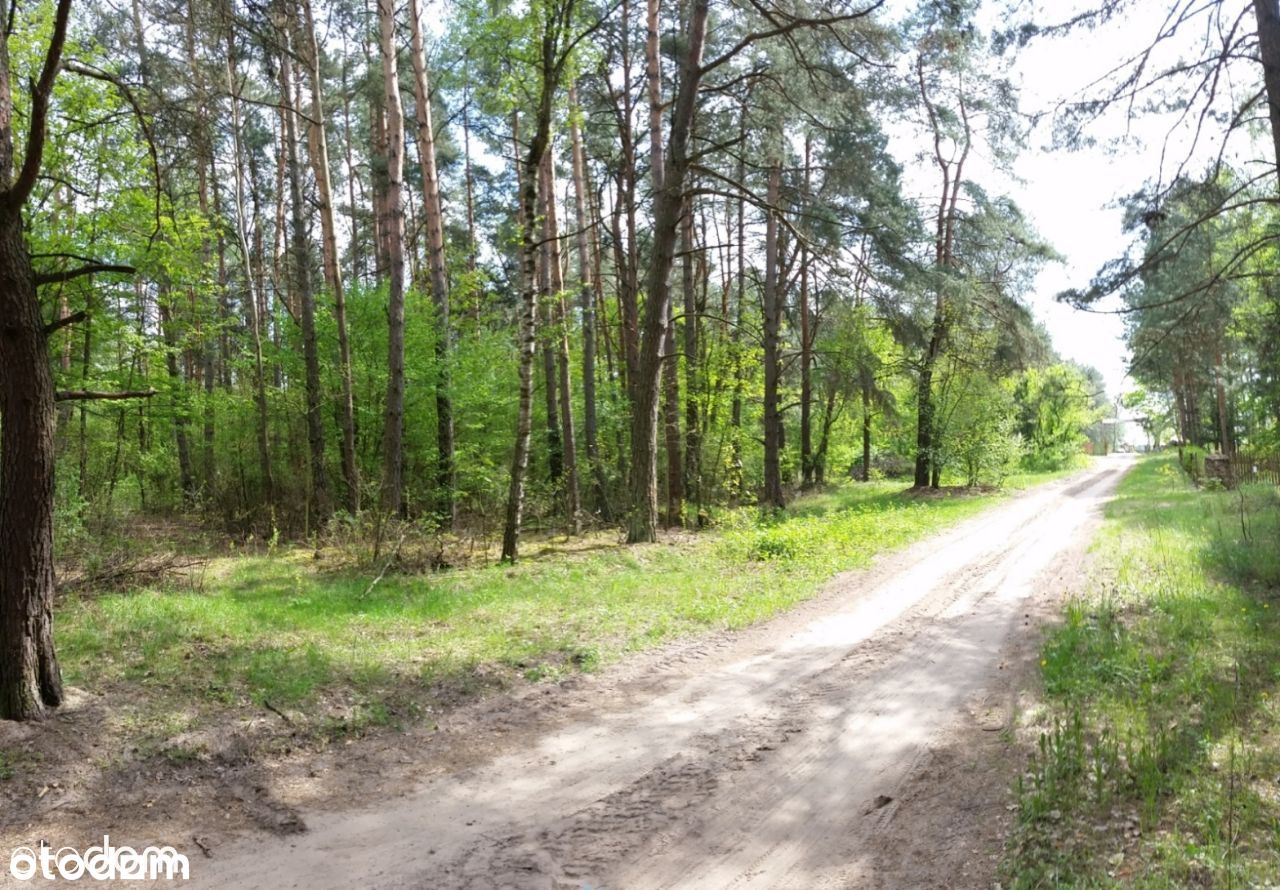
column 878, row 712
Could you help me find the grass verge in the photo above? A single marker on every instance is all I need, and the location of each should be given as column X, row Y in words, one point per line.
column 1158, row 760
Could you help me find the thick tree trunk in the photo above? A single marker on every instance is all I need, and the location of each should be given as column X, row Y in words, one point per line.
column 670, row 369
column 318, row 151
column 30, row 681
column 392, row 230
column 642, row 515
column 433, row 214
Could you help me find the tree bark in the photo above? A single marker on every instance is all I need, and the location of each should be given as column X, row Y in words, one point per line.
column 169, row 335
column 735, row 482
column 527, row 181
column 353, row 178
column 30, row 680
column 254, row 280
column 626, row 249
column 392, row 230
column 927, row 470
column 1268, row 16
column 318, row 151
column 653, row 81
column 671, row 423
column 555, row 444
column 642, row 516
column 433, row 213
column 305, row 298
column 866, row 432
column 468, row 177
column 824, row 437
column 693, row 307
column 587, row 293
column 1225, row 440
column 203, row 160
column 806, row 346
column 560, row 332
column 552, row 68
column 772, row 496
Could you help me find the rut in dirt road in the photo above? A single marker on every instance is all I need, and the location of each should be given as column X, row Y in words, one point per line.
column 766, row 768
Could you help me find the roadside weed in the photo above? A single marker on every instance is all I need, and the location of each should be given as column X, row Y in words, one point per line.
column 1157, row 763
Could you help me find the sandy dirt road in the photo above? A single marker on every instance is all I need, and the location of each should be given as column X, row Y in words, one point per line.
column 772, row 759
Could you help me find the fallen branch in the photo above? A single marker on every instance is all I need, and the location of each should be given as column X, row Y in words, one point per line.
column 120, row 570
column 273, row 709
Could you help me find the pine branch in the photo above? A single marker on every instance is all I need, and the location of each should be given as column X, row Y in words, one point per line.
column 87, row 395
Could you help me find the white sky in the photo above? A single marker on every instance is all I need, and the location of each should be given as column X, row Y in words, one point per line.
column 1070, row 196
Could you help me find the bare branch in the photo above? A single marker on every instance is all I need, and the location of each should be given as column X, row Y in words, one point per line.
column 80, row 271
column 65, row 321
column 792, row 23
column 88, row 395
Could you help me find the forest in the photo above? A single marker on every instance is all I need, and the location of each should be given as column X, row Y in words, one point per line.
column 577, row 265
column 437, row 283
column 455, row 319
column 366, row 365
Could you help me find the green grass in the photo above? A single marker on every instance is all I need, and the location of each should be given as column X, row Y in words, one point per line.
column 1158, row 761
column 336, row 657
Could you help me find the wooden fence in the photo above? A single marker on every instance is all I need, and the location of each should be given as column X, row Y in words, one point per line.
column 1235, row 469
